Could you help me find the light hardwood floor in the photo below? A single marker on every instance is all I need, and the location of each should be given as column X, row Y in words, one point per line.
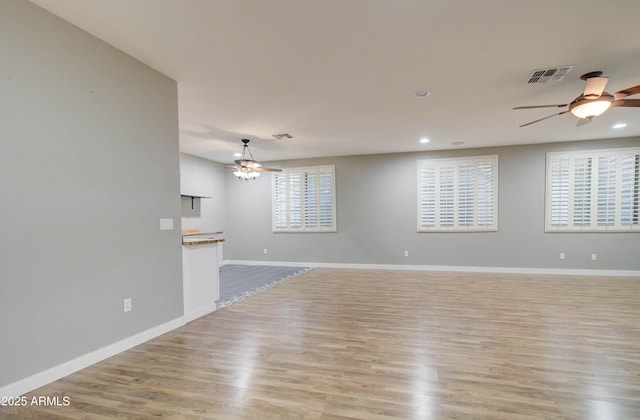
column 375, row 344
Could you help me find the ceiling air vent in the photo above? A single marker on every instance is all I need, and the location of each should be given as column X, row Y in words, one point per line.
column 554, row 74
column 282, row 136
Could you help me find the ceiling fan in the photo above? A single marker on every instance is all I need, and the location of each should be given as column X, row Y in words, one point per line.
column 593, row 101
column 247, row 169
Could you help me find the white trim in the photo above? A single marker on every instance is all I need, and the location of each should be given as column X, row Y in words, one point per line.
column 200, row 312
column 53, row 374
column 270, row 263
column 458, row 268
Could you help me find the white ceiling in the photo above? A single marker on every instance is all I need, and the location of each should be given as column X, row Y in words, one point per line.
column 340, row 75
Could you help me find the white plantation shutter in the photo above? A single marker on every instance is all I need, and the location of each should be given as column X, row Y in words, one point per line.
column 466, row 194
column 630, row 194
column 326, row 200
column 280, row 219
column 310, row 200
column 582, row 191
column 295, row 201
column 458, row 194
column 427, row 204
column 558, row 192
column 446, row 188
column 595, row 190
column 487, row 196
column 304, row 200
column 606, row 214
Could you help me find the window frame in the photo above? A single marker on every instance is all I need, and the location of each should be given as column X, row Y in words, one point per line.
column 587, row 188
column 302, row 203
column 458, row 164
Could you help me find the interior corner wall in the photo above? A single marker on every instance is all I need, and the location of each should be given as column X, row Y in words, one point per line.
column 376, row 197
column 202, row 177
column 89, row 164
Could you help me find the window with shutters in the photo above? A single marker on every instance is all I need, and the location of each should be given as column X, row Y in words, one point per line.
column 304, row 199
column 592, row 191
column 458, row 194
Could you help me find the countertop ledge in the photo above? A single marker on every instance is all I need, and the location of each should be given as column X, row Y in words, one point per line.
column 202, row 241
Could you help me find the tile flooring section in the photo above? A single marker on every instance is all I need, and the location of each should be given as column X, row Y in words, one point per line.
column 238, row 282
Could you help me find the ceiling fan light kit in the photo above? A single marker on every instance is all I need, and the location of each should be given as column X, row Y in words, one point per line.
column 249, row 169
column 590, row 108
column 245, row 174
column 594, row 101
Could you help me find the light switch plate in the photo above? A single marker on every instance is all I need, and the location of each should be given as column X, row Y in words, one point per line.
column 166, row 224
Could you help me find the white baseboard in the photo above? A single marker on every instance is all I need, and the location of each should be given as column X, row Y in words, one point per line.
column 200, row 312
column 458, row 268
column 271, row 263
column 40, row 379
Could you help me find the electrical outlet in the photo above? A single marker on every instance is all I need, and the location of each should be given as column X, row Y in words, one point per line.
column 127, row 305
column 406, row 253
column 562, row 255
column 594, row 257
column 265, row 251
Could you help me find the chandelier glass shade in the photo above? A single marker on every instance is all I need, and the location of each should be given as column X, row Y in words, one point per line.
column 246, row 173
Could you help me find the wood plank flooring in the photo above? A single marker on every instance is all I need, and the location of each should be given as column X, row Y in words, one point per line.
column 376, row 344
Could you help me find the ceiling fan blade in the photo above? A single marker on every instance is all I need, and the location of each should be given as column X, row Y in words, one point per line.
column 541, row 106
column 262, row 169
column 583, row 121
column 627, row 92
column 541, row 119
column 595, row 86
column 635, row 103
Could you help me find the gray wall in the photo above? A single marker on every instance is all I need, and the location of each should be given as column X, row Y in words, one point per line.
column 376, row 211
column 89, row 163
column 202, row 177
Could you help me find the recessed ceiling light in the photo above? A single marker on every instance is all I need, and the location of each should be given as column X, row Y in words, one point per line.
column 424, row 140
column 422, row 93
column 620, row 125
